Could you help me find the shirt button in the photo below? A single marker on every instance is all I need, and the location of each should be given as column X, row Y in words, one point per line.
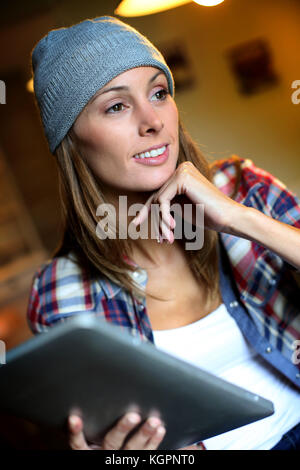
column 234, row 304
column 141, row 307
column 272, row 281
column 135, row 274
column 297, row 376
column 269, row 349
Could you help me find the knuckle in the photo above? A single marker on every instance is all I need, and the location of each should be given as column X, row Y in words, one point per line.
column 146, row 432
column 156, row 440
column 157, row 199
column 150, row 427
column 165, row 205
column 185, row 166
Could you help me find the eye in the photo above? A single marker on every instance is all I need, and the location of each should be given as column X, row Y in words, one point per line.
column 113, row 109
column 160, row 95
column 163, row 96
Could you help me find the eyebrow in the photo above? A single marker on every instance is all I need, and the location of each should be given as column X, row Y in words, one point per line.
column 121, row 87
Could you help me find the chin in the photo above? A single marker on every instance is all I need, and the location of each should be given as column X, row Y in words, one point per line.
column 157, row 183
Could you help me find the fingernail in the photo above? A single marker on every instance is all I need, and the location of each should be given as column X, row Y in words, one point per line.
column 153, row 423
column 73, row 422
column 161, row 430
column 133, row 419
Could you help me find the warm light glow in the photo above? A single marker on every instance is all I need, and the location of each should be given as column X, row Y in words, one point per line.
column 208, row 3
column 29, row 85
column 146, row 7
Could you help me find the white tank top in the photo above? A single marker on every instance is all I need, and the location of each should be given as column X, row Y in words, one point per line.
column 216, row 344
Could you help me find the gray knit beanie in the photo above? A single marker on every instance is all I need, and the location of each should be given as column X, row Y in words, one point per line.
column 71, row 64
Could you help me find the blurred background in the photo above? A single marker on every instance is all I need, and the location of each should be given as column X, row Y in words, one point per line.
column 234, row 66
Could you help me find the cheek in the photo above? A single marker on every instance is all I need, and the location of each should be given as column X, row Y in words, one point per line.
column 95, row 145
column 108, row 140
column 102, row 154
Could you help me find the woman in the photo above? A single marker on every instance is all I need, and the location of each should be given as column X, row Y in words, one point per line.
column 106, row 98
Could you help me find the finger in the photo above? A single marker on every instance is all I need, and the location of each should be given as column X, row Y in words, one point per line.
column 140, row 439
column 166, row 233
column 156, row 439
column 172, row 222
column 143, row 214
column 114, row 439
column 160, row 228
column 167, row 222
column 155, row 223
column 77, row 440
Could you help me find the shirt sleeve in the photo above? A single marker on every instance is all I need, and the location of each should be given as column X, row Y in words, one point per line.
column 59, row 290
column 271, row 196
column 259, row 187
column 254, row 187
column 284, row 205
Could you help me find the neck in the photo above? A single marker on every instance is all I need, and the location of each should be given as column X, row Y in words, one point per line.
column 149, row 254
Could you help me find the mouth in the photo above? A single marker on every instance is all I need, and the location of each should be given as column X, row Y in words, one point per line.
column 153, row 152
column 158, row 158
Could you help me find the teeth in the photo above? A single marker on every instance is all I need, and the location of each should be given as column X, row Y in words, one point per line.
column 152, row 153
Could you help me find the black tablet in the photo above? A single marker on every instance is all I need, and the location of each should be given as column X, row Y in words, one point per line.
column 101, row 371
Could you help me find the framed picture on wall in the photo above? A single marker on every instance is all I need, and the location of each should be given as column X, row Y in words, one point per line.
column 252, row 66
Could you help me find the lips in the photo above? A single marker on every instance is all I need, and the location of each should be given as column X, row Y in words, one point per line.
column 153, row 161
column 151, row 148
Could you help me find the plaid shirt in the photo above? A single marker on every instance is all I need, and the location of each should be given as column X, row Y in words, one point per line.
column 265, row 302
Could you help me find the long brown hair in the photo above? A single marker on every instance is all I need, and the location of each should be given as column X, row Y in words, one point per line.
column 81, row 194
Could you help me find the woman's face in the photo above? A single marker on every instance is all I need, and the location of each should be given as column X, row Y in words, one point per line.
column 118, row 124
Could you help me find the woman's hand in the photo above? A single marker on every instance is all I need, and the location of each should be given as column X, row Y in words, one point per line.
column 196, row 189
column 147, row 437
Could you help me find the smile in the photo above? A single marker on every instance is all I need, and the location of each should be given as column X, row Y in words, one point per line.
column 156, row 156
column 152, row 153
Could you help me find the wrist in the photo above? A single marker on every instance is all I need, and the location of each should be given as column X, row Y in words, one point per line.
column 241, row 220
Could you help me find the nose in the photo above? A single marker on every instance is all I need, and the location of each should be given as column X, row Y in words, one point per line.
column 149, row 120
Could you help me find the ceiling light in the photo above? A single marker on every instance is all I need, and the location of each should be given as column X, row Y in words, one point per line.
column 208, row 3
column 148, row 7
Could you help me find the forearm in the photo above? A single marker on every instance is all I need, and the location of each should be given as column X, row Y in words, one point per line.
column 280, row 238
